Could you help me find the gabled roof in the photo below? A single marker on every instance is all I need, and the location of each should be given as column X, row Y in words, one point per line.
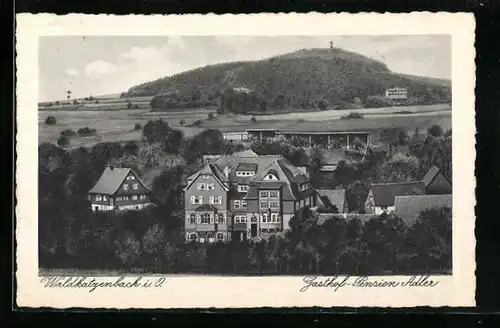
column 430, row 175
column 384, row 193
column 245, row 153
column 111, row 179
column 209, row 169
column 408, row 208
column 336, row 197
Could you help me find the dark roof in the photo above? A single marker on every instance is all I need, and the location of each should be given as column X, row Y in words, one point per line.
column 111, row 180
column 269, row 185
column 333, row 126
column 336, row 197
column 205, row 207
column 384, row 193
column 408, row 208
column 247, row 167
column 430, row 175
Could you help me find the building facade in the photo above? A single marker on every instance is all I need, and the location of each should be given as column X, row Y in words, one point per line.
column 396, row 93
column 119, row 189
column 244, row 196
column 381, row 196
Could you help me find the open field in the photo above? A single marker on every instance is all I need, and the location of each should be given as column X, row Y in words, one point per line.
column 118, row 125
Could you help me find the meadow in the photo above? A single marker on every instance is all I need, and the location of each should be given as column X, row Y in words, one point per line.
column 118, row 125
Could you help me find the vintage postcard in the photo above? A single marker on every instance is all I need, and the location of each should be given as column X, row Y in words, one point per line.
column 243, row 161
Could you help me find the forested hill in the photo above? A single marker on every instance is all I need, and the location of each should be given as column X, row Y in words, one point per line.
column 302, row 79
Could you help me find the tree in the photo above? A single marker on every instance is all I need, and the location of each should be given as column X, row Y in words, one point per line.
column 210, row 116
column 129, row 104
column 63, row 141
column 182, row 122
column 322, row 105
column 253, row 119
column 50, row 120
column 435, row 131
column 428, row 242
column 208, row 142
column 356, row 195
column 137, row 127
column 131, row 148
column 400, row 168
column 68, row 133
column 394, row 137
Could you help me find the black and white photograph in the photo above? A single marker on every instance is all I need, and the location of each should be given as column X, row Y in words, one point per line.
column 247, row 156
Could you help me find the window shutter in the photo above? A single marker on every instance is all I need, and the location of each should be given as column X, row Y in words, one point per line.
column 211, row 218
column 201, row 199
column 211, row 199
column 198, row 218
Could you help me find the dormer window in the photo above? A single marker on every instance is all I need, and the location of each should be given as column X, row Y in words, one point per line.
column 271, row 175
column 245, row 173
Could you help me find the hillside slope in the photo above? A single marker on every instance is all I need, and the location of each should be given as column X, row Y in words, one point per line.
column 300, row 79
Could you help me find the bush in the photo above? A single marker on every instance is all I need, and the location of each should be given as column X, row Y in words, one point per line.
column 129, row 105
column 50, row 120
column 137, row 127
column 210, row 116
column 63, row 141
column 182, row 122
column 68, row 133
column 322, row 105
column 86, row 131
column 351, row 116
column 197, row 123
column 253, row 119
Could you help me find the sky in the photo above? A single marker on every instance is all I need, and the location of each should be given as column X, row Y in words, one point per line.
column 99, row 65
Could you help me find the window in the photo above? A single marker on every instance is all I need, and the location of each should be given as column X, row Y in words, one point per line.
column 125, row 197
column 273, row 194
column 211, row 199
column 125, row 187
column 237, row 204
column 205, row 176
column 264, row 218
column 201, row 186
column 104, row 198
column 135, row 186
column 193, row 236
column 264, row 194
column 242, row 188
column 210, row 186
column 196, row 200
column 254, row 219
column 192, row 218
column 274, row 217
column 218, row 200
column 296, row 205
column 130, row 177
column 220, row 217
column 274, row 205
column 307, row 201
column 142, row 197
column 240, row 219
column 220, row 236
column 301, row 203
column 264, row 205
column 243, row 204
column 98, row 197
column 244, row 173
column 205, row 218
column 134, row 197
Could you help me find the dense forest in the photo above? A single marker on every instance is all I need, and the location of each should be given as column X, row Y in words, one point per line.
column 71, row 236
column 309, row 78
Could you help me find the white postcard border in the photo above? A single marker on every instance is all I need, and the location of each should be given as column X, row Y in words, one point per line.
column 238, row 292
